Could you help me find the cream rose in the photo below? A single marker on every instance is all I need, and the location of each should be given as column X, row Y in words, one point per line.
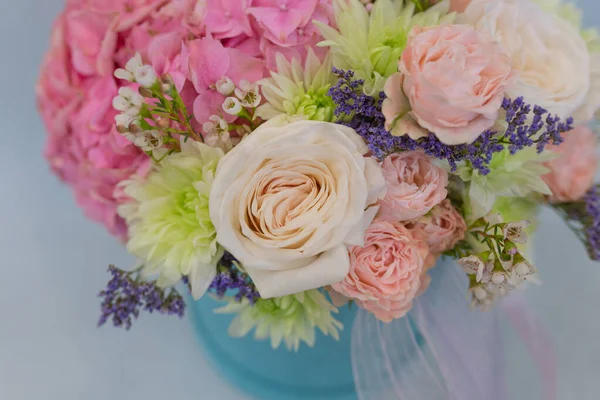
column 288, row 200
column 551, row 57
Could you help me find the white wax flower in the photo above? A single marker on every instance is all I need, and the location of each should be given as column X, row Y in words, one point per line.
column 232, row 106
column 146, row 76
column 225, row 86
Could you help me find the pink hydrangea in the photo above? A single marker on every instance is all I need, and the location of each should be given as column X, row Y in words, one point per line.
column 414, row 186
column 442, row 228
column 572, row 173
column 286, row 26
column 388, row 272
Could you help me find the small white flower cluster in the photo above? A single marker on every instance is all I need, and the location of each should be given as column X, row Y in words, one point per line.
column 247, row 95
column 136, row 71
column 496, row 272
column 129, row 103
column 217, row 129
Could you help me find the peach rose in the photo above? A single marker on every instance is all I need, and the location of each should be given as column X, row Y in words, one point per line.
column 573, row 172
column 442, row 228
column 414, row 186
column 386, row 274
column 455, row 78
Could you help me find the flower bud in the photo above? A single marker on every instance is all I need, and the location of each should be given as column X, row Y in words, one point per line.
column 497, row 278
column 479, row 293
column 145, row 92
column 232, row 106
column 225, row 86
column 122, row 129
column 134, row 127
column 167, row 83
column 163, row 122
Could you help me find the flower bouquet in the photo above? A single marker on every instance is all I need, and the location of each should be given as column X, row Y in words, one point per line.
column 310, row 168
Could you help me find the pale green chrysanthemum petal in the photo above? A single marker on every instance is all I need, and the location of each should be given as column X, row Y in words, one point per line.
column 289, row 319
column 513, row 176
column 297, row 90
column 371, row 45
column 168, row 218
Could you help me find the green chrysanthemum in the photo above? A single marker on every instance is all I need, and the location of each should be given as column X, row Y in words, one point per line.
column 371, row 45
column 289, row 319
column 168, row 218
column 514, row 176
column 295, row 90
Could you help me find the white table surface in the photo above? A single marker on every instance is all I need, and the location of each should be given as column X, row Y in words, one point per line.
column 53, row 262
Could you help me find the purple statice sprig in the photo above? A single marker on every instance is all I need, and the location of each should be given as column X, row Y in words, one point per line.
column 583, row 218
column 524, row 130
column 363, row 113
column 126, row 295
column 232, row 280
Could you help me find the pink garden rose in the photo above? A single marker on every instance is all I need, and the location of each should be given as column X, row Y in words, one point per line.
column 572, row 173
column 414, row 186
column 442, row 228
column 454, row 78
column 387, row 273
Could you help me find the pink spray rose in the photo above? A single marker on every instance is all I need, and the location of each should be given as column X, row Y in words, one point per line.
column 454, row 78
column 442, row 227
column 387, row 273
column 414, row 186
column 572, row 173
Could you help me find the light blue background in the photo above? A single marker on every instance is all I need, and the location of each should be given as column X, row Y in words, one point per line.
column 53, row 262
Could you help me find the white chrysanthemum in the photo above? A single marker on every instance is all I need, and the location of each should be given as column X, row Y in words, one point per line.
column 297, row 90
column 168, row 218
column 371, row 45
column 289, row 319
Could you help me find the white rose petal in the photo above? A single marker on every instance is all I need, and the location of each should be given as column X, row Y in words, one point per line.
column 288, row 200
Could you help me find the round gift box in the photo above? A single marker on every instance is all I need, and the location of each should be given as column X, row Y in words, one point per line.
column 318, row 373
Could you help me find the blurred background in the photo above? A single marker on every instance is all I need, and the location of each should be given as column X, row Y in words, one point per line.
column 53, row 262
